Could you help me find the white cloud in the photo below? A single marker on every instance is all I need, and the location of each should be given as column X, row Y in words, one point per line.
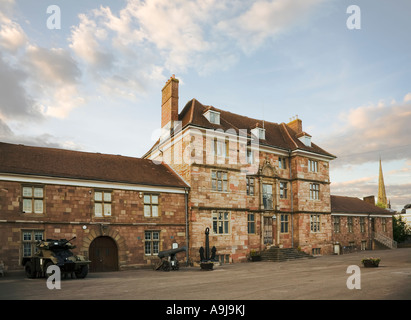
column 266, row 19
column 407, row 97
column 12, row 36
column 367, row 132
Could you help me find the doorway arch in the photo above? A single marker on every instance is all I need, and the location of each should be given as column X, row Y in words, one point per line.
column 103, row 253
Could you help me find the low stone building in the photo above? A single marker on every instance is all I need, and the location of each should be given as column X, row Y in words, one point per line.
column 360, row 225
column 121, row 210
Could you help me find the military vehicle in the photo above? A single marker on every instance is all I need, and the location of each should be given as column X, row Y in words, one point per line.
column 55, row 252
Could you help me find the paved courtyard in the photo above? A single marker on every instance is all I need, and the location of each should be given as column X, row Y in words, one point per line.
column 314, row 279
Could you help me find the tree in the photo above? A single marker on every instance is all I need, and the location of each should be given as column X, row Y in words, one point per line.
column 400, row 229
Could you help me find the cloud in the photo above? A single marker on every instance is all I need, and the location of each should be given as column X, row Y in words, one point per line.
column 368, row 132
column 266, row 19
column 43, row 140
column 15, row 101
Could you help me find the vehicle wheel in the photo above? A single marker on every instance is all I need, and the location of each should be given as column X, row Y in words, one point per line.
column 30, row 272
column 166, row 266
column 82, row 272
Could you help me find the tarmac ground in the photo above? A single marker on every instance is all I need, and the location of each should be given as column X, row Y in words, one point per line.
column 321, row 278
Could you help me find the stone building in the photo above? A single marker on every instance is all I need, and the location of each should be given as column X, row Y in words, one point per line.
column 121, row 210
column 360, row 225
column 254, row 183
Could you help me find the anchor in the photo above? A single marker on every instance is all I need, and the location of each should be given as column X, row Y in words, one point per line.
column 206, row 261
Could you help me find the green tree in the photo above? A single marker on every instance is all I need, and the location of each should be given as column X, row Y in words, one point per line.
column 400, row 229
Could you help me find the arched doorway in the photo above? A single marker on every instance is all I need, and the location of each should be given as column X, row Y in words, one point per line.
column 103, row 254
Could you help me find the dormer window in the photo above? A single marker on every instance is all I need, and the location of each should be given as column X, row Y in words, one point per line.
column 305, row 138
column 212, row 116
column 258, row 132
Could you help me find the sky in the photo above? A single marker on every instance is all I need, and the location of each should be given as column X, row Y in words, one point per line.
column 87, row 75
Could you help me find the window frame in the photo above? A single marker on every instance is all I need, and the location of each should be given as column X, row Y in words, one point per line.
column 31, row 243
column 337, row 224
column 250, row 181
column 251, row 223
column 214, row 186
column 151, row 205
column 33, row 199
column 284, row 223
column 312, row 165
column 350, row 224
column 221, row 219
column 149, row 243
column 283, row 190
column 315, row 223
column 104, row 203
column 266, row 202
column 314, row 191
column 282, row 163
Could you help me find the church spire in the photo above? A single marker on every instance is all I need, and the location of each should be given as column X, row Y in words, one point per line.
column 382, row 198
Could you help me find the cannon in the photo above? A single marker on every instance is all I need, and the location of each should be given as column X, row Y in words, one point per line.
column 168, row 259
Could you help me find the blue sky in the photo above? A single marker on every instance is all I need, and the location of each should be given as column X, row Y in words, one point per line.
column 95, row 83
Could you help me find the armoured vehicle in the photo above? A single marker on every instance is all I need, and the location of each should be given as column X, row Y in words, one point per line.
column 55, row 252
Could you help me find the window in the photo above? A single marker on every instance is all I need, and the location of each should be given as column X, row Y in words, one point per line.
column 102, row 203
column 336, row 224
column 349, row 224
column 362, row 224
column 250, row 186
column 258, row 132
column 314, row 191
column 251, row 223
column 316, row 251
column 151, row 205
column 221, row 222
column 219, row 180
column 384, row 224
column 284, row 223
column 282, row 164
column 33, row 199
column 315, row 222
column 268, row 196
column 212, row 116
column 313, row 165
column 220, row 148
column 250, row 156
column 283, row 190
column 151, row 242
column 363, row 245
column 29, row 240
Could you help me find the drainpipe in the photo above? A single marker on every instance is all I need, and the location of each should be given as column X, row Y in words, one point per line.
column 187, row 242
column 292, row 200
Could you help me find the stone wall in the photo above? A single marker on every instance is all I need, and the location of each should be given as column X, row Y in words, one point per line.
column 69, row 212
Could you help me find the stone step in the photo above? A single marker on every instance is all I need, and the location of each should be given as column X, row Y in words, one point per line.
column 283, row 254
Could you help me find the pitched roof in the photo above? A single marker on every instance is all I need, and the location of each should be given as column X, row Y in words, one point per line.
column 51, row 162
column 342, row 204
column 276, row 135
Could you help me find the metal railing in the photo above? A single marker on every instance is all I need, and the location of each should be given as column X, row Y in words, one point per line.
column 388, row 242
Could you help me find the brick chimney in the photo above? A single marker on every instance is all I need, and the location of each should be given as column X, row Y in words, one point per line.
column 296, row 125
column 169, row 102
column 370, row 200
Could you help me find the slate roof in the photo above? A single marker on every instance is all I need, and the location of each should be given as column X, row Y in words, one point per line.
column 277, row 135
column 51, row 162
column 343, row 204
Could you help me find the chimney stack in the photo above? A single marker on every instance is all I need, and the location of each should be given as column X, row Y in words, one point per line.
column 296, row 125
column 169, row 103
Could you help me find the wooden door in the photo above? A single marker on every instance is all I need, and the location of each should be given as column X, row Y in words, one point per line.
column 103, row 255
column 268, row 230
